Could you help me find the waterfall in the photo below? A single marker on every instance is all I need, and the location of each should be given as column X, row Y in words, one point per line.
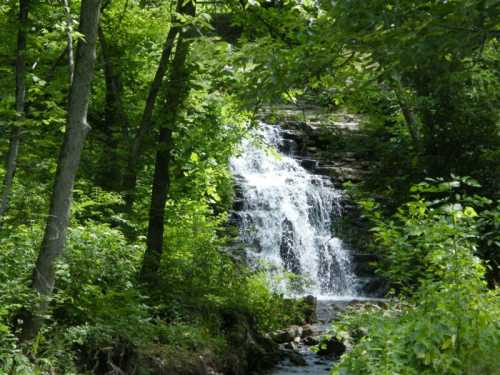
column 285, row 217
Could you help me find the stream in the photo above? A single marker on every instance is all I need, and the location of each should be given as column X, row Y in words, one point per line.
column 285, row 216
column 316, row 365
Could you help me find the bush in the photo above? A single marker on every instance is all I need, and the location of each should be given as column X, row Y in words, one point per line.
column 437, row 333
column 448, row 323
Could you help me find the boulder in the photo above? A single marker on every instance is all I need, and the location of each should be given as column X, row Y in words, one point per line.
column 296, row 358
column 307, row 331
column 294, row 331
column 281, row 337
column 332, row 347
column 287, row 335
column 291, row 345
column 312, row 340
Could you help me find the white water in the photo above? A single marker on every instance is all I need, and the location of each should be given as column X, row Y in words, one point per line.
column 286, row 218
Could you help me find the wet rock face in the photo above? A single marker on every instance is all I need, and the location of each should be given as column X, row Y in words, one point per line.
column 313, row 145
column 282, row 336
column 286, row 217
column 312, row 340
column 290, row 259
column 297, row 359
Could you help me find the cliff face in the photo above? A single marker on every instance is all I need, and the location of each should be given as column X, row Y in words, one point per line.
column 315, row 144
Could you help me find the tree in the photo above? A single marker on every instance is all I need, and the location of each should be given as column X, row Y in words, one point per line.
column 436, row 55
column 130, row 178
column 115, row 118
column 177, row 91
column 15, row 135
column 43, row 278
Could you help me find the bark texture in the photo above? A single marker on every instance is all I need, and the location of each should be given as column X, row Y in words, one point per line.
column 177, row 91
column 410, row 118
column 11, row 159
column 43, row 278
column 411, row 122
column 130, row 178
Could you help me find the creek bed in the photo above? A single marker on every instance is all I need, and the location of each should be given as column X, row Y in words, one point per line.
column 327, row 309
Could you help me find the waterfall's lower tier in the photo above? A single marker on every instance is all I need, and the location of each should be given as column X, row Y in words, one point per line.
column 285, row 216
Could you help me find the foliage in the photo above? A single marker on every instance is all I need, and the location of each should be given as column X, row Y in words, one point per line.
column 408, row 241
column 448, row 324
column 436, row 61
column 433, row 60
column 98, row 305
column 448, row 330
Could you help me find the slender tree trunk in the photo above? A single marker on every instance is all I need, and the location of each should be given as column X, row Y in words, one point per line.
column 11, row 160
column 411, row 122
column 410, row 118
column 177, row 91
column 69, row 159
column 130, row 178
column 69, row 36
column 51, row 72
column 116, row 130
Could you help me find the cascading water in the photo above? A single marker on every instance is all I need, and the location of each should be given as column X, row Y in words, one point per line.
column 286, row 216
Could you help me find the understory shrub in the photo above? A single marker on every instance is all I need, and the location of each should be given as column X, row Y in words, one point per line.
column 446, row 320
column 100, row 318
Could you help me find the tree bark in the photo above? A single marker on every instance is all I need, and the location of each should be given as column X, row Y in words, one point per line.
column 410, row 118
column 130, row 178
column 411, row 122
column 177, row 91
column 11, row 160
column 51, row 72
column 43, row 277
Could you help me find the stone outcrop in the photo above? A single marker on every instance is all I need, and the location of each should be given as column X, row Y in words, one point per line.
column 250, row 351
column 312, row 143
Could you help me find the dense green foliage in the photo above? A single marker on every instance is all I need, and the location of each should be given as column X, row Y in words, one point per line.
column 98, row 308
column 422, row 75
column 436, row 88
column 100, row 316
column 448, row 324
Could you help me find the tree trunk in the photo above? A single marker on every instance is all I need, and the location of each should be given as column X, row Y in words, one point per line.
column 130, row 178
column 410, row 118
column 51, row 72
column 116, row 129
column 69, row 159
column 411, row 123
column 177, row 91
column 11, row 160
